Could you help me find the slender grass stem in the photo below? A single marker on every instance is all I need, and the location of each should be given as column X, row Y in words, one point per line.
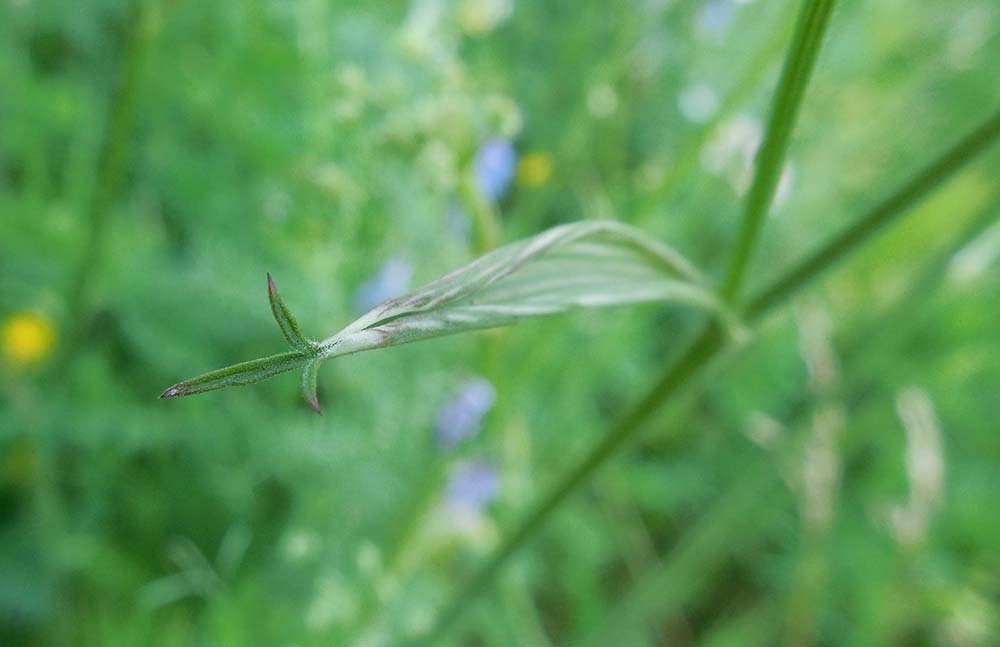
column 854, row 343
column 920, row 290
column 648, row 593
column 112, row 157
column 883, row 214
column 757, row 66
column 697, row 356
column 787, row 102
column 141, row 30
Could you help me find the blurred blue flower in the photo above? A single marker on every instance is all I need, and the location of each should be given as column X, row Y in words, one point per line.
column 392, row 280
column 462, row 416
column 473, row 486
column 714, row 18
column 494, row 166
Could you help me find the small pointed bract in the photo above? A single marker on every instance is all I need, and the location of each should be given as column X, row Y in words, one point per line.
column 309, row 372
column 289, row 327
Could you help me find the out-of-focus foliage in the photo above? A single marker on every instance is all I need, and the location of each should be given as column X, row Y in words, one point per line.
column 831, row 482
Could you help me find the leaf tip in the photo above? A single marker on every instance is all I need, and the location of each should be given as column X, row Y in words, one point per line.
column 175, row 390
column 313, row 402
column 272, row 289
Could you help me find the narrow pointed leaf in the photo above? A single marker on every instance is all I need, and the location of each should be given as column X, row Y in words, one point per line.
column 243, row 373
column 309, row 377
column 289, row 327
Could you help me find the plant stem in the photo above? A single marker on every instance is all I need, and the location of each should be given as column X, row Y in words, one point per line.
column 648, row 593
column 710, row 342
column 855, row 341
column 140, row 29
column 920, row 288
column 883, row 214
column 769, row 162
column 758, row 65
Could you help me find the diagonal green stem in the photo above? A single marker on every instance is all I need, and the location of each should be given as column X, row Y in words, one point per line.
column 787, row 102
column 710, row 342
column 757, row 66
column 880, row 216
column 701, row 547
column 871, row 331
column 112, row 157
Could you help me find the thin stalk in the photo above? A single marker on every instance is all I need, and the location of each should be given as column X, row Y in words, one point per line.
column 921, row 288
column 882, row 215
column 666, row 575
column 697, row 356
column 140, row 31
column 787, row 102
column 852, row 345
column 681, row 167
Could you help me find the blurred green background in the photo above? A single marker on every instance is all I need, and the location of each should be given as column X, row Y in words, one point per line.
column 833, row 481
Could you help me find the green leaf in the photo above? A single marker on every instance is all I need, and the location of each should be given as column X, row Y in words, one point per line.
column 810, row 31
column 289, row 327
column 587, row 264
column 243, row 373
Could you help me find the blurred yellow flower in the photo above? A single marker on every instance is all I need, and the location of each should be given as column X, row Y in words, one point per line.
column 27, row 338
column 534, row 169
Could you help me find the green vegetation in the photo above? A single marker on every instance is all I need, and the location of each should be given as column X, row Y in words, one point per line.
column 808, row 458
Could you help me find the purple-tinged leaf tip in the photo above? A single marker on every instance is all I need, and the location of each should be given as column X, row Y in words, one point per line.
column 272, row 289
column 309, row 372
column 313, row 402
column 174, row 391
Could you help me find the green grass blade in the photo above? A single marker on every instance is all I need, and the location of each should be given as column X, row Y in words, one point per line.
column 787, row 102
column 883, row 214
column 758, row 65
